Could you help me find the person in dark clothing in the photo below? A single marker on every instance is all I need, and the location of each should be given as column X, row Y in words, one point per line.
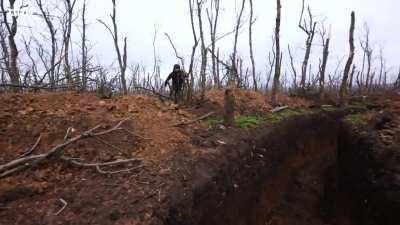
column 178, row 80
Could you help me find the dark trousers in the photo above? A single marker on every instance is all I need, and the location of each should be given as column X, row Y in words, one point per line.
column 177, row 91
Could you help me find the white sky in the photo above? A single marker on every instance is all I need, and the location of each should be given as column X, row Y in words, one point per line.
column 138, row 18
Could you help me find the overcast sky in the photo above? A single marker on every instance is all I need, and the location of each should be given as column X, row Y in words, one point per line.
column 137, row 19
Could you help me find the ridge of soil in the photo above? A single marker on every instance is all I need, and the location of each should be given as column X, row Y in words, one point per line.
column 188, row 173
column 127, row 198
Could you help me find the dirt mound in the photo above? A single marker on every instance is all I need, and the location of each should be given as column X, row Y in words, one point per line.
column 151, row 137
column 92, row 197
column 251, row 102
column 24, row 117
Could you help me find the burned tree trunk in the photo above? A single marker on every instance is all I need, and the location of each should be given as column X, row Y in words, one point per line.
column 322, row 69
column 196, row 43
column 367, row 52
column 397, row 83
column 234, row 67
column 343, row 87
column 253, row 66
column 203, row 49
column 84, row 49
column 278, row 60
column 213, row 17
column 12, row 29
column 69, row 7
column 353, row 71
column 381, row 69
column 122, row 58
column 229, row 107
column 52, row 32
column 5, row 62
column 310, row 32
column 293, row 68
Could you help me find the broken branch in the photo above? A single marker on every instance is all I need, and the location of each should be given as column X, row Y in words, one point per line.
column 278, row 109
column 27, row 161
column 62, row 208
column 195, row 120
column 31, row 150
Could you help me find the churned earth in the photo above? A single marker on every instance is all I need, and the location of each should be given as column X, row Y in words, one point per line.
column 279, row 168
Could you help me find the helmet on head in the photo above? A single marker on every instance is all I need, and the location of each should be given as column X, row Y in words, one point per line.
column 177, row 67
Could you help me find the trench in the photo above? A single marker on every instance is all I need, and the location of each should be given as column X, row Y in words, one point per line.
column 308, row 170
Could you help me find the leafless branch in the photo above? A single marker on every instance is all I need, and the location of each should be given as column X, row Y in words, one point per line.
column 176, row 52
column 58, row 151
column 31, row 150
column 195, row 120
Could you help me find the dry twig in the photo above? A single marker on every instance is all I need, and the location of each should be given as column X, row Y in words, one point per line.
column 28, row 161
column 278, row 109
column 31, row 150
column 62, row 208
column 195, row 120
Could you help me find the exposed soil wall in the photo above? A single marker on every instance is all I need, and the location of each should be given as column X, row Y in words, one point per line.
column 308, row 170
column 369, row 173
column 247, row 182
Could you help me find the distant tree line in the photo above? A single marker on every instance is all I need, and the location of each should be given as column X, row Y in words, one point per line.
column 50, row 65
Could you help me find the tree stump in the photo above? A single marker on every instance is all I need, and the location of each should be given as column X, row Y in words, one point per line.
column 229, row 108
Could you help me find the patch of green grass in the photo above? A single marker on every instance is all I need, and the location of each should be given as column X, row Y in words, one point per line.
column 284, row 114
column 212, row 123
column 328, row 108
column 356, row 119
column 358, row 107
column 246, row 122
column 243, row 122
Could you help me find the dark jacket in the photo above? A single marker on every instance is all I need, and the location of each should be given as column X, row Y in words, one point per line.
column 178, row 78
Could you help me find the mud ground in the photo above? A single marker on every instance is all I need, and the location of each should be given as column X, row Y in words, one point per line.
column 178, row 163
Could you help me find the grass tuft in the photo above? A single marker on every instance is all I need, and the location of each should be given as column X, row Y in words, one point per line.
column 246, row 122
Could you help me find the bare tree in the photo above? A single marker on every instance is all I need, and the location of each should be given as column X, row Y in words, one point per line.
column 234, row 69
column 84, row 48
column 253, row 66
column 325, row 43
column 397, row 82
column 382, row 68
column 278, row 57
column 203, row 67
column 309, row 29
column 213, row 16
column 351, row 80
column 293, row 68
column 195, row 44
column 52, row 32
column 270, row 67
column 122, row 58
column 33, row 67
column 343, row 86
column 5, row 56
column 368, row 51
column 12, row 28
column 67, row 28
